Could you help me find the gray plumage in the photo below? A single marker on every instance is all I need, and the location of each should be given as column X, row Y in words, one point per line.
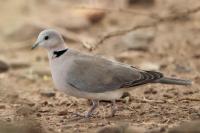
column 96, row 74
column 94, row 77
column 175, row 81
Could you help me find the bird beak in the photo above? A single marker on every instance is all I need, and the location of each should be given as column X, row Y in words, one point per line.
column 35, row 45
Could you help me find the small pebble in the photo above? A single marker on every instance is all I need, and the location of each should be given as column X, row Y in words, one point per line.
column 63, row 112
column 183, row 69
column 150, row 91
column 167, row 96
column 2, row 107
column 47, row 94
column 4, row 67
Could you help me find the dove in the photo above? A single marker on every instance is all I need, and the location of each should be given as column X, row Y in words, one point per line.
column 94, row 77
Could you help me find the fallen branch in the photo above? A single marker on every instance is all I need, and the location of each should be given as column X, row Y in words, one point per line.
column 91, row 47
column 158, row 20
column 179, row 15
column 189, row 99
column 121, row 10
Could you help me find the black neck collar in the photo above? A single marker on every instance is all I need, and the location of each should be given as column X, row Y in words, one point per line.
column 57, row 54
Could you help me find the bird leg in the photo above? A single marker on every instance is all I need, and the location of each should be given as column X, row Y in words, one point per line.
column 113, row 108
column 95, row 103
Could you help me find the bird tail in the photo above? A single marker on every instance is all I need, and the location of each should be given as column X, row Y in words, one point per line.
column 166, row 80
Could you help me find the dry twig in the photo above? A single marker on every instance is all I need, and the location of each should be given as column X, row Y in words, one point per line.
column 121, row 10
column 158, row 20
column 189, row 99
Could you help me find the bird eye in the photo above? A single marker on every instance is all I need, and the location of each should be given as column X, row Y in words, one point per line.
column 46, row 37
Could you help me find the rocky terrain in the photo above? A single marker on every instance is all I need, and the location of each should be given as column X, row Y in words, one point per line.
column 149, row 34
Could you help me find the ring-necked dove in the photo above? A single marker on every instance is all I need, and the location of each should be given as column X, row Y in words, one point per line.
column 93, row 77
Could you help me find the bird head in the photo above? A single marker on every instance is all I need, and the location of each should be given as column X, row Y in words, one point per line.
column 49, row 39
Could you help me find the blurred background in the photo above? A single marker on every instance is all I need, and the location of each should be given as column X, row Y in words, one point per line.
column 149, row 34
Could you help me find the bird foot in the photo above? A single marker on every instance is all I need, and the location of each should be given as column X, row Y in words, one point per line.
column 113, row 109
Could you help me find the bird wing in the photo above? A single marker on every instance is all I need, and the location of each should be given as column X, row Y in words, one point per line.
column 96, row 74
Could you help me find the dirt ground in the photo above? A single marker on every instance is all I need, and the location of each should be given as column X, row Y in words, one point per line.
column 27, row 91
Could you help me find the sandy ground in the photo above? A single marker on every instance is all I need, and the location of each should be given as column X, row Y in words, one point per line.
column 27, row 91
